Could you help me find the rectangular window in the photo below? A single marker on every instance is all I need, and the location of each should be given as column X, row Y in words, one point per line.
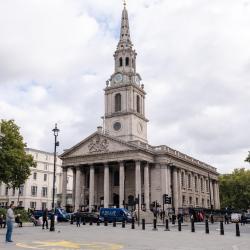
column 45, row 166
column 6, row 191
column 44, row 192
column 190, row 201
column 45, row 177
column 21, row 190
column 34, row 190
column 197, row 202
column 34, row 176
column 33, row 205
column 44, row 205
column 13, row 192
column 20, row 203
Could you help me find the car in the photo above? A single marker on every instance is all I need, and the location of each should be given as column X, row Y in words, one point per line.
column 247, row 216
column 87, row 217
column 115, row 214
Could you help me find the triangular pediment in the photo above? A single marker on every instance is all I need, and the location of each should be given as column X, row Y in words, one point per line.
column 98, row 143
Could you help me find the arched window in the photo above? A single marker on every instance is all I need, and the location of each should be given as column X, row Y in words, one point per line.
column 120, row 61
column 118, row 102
column 138, row 106
column 127, row 61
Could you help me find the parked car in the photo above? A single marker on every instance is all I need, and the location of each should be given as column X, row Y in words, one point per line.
column 247, row 218
column 87, row 217
column 117, row 214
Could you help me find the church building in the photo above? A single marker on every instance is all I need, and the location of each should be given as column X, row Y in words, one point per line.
column 116, row 166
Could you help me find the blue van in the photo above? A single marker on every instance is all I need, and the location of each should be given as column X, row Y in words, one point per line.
column 115, row 214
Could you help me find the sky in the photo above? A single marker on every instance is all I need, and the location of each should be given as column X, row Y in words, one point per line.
column 193, row 56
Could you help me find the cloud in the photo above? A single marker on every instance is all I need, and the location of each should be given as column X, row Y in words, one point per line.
column 193, row 56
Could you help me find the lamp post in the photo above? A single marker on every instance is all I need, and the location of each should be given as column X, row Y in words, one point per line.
column 52, row 221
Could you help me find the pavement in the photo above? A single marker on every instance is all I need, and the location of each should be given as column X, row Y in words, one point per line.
column 95, row 237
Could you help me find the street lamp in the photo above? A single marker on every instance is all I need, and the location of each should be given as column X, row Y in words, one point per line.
column 52, row 223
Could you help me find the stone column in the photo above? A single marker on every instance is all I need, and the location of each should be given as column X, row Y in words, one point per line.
column 121, row 184
column 78, row 188
column 138, row 181
column 64, row 188
column 83, row 188
column 106, row 185
column 146, row 186
column 211, row 193
column 91, row 187
column 217, row 195
column 176, row 190
column 74, row 187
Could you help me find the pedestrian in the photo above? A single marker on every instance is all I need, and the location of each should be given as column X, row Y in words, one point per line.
column 18, row 220
column 2, row 221
column 78, row 218
column 45, row 218
column 10, row 219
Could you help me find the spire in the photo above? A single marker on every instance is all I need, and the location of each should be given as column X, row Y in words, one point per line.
column 125, row 33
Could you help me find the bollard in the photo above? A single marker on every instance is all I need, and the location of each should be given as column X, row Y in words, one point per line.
column 221, row 228
column 207, row 227
column 114, row 223
column 83, row 221
column 133, row 223
column 90, row 221
column 123, row 223
column 212, row 219
column 192, row 226
column 105, row 222
column 237, row 229
column 143, row 224
column 71, row 219
column 179, row 225
column 166, row 225
column 155, row 226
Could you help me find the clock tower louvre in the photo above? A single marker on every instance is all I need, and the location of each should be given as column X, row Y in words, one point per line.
column 124, row 93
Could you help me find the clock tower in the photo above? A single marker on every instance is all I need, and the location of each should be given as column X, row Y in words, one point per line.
column 124, row 93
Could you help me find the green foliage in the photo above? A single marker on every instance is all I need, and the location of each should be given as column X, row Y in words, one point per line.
column 235, row 189
column 248, row 157
column 3, row 211
column 14, row 162
column 23, row 214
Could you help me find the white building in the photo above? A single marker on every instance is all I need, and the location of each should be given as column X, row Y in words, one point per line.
column 37, row 191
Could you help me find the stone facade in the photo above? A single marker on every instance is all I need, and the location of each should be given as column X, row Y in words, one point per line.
column 115, row 165
column 37, row 190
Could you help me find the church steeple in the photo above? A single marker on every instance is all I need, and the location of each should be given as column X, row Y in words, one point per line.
column 124, row 94
column 125, row 32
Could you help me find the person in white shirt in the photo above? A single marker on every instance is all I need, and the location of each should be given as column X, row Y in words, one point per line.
column 10, row 219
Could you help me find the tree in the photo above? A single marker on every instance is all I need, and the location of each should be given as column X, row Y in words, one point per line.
column 14, row 162
column 235, row 189
column 248, row 157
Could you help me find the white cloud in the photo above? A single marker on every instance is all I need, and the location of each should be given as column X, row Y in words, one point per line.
column 193, row 55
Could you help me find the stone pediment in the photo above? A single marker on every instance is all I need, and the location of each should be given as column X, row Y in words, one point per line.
column 97, row 144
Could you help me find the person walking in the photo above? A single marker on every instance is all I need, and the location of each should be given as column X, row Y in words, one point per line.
column 18, row 220
column 78, row 218
column 2, row 221
column 10, row 219
column 45, row 218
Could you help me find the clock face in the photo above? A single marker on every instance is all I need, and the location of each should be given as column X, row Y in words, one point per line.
column 118, row 78
column 117, row 126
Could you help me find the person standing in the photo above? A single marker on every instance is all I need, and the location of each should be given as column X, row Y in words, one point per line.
column 78, row 218
column 10, row 219
column 45, row 218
